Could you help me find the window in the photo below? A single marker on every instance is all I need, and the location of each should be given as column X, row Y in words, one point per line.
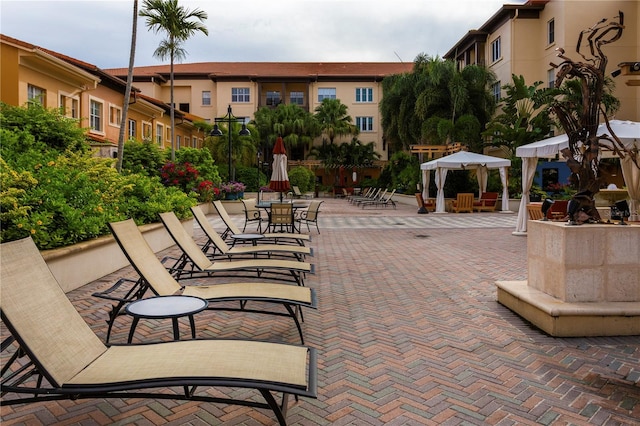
column 326, row 93
column 146, row 131
column 187, row 141
column 68, row 106
column 184, row 107
column 36, row 94
column 365, row 124
column 551, row 77
column 132, row 129
column 364, row 94
column 206, row 98
column 495, row 89
column 240, row 94
column 75, row 106
column 178, row 141
column 115, row 115
column 551, row 36
column 273, row 98
column 159, row 131
column 296, row 98
column 96, row 115
column 495, row 50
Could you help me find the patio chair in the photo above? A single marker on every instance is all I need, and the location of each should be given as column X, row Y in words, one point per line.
column 535, row 211
column 310, row 215
column 252, row 214
column 216, row 246
column 425, row 206
column 463, row 203
column 281, row 216
column 277, row 237
column 487, row 202
column 193, row 263
column 56, row 356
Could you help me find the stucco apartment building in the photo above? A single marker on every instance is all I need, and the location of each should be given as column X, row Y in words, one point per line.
column 208, row 89
column 523, row 40
column 89, row 94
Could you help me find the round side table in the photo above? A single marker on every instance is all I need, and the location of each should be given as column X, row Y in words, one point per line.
column 161, row 307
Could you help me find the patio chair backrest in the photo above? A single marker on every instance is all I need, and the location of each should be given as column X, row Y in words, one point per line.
column 251, row 212
column 313, row 210
column 186, row 243
column 209, row 231
column 281, row 214
column 41, row 317
column 464, row 201
column 142, row 258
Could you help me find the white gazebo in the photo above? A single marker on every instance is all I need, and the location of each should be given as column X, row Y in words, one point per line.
column 464, row 160
column 627, row 131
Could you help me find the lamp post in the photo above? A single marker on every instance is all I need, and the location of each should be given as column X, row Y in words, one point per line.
column 229, row 119
column 258, row 174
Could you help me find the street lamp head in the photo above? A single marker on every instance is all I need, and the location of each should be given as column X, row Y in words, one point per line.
column 216, row 131
column 245, row 131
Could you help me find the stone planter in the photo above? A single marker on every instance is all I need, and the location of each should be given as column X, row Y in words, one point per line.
column 82, row 263
column 583, row 280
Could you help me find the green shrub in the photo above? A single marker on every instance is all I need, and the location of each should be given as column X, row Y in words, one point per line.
column 249, row 176
column 303, row 178
column 47, row 126
column 143, row 157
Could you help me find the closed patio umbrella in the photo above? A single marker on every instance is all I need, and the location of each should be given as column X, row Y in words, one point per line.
column 279, row 177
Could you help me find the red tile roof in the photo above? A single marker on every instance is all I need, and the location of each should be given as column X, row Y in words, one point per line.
column 307, row 70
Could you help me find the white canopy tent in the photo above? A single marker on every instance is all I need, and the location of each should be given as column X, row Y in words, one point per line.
column 627, row 131
column 464, row 160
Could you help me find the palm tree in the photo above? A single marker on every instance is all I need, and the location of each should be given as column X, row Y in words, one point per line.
column 127, row 91
column 178, row 24
column 437, row 103
column 333, row 118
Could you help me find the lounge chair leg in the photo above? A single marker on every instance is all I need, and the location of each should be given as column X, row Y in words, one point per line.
column 294, row 315
column 277, row 410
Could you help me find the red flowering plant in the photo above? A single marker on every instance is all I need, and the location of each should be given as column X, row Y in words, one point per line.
column 208, row 192
column 182, row 175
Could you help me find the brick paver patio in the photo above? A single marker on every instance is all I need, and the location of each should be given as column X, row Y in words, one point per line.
column 408, row 331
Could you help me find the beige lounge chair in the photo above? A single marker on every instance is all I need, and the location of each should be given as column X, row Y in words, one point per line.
column 52, row 353
column 463, row 203
column 216, row 246
column 154, row 276
column 193, row 263
column 278, row 237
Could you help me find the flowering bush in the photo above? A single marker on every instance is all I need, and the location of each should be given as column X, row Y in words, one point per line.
column 233, row 187
column 208, row 192
column 182, row 175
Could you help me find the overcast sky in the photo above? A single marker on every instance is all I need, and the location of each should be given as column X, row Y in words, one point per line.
column 99, row 31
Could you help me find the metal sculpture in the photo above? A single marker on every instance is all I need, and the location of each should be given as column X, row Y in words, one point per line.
column 580, row 120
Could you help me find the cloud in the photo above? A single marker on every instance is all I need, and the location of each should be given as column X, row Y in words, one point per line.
column 99, row 32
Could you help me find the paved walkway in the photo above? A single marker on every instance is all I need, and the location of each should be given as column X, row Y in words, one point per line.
column 409, row 333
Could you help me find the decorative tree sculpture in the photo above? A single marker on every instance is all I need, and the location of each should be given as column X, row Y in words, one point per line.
column 580, row 121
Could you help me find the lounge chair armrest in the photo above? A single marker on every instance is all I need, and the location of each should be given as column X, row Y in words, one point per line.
column 107, row 294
